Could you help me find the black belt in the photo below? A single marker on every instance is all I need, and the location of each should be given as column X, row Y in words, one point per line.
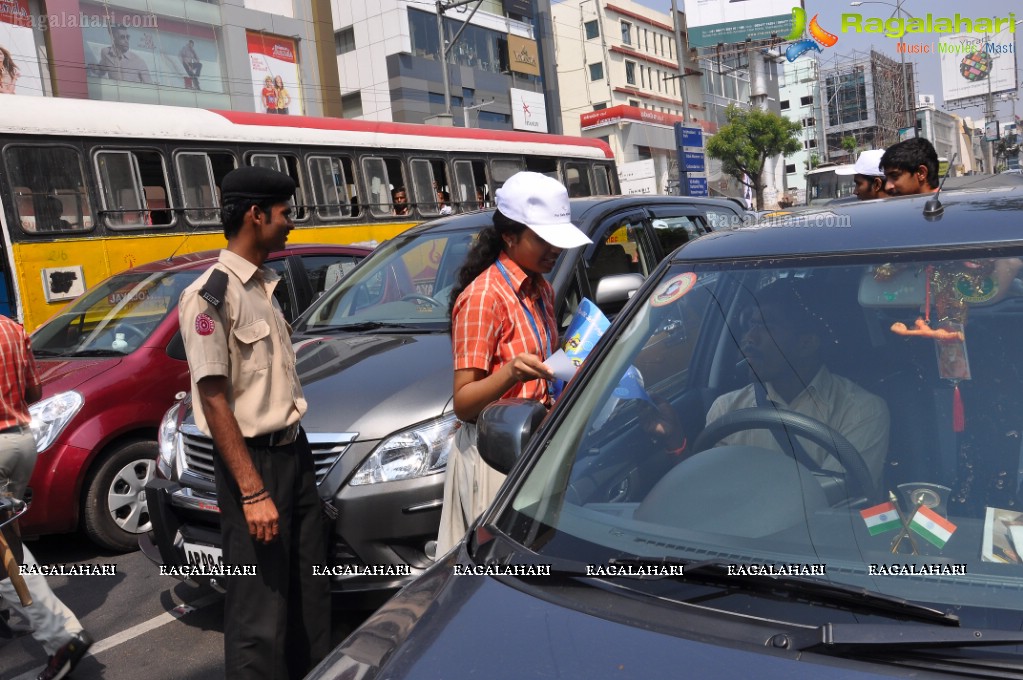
column 16, row 429
column 281, row 437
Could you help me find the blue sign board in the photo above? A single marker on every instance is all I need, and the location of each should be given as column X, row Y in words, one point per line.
column 688, row 136
column 698, row 186
column 693, row 161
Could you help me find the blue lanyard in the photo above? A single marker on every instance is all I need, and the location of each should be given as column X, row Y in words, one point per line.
column 544, row 342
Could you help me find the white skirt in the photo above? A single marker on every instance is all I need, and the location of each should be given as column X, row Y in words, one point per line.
column 470, row 485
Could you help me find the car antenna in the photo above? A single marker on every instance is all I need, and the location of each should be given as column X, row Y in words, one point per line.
column 933, row 209
column 181, row 213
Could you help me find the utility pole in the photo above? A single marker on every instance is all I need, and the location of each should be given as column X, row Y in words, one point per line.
column 466, row 109
column 442, row 6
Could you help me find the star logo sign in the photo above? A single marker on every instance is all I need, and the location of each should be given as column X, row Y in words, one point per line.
column 818, row 36
column 525, row 109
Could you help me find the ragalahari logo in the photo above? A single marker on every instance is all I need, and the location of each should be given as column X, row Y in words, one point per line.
column 818, row 36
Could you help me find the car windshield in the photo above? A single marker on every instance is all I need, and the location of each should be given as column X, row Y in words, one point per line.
column 405, row 282
column 116, row 317
column 858, row 423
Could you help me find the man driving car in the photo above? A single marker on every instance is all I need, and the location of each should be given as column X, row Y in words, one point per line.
column 782, row 342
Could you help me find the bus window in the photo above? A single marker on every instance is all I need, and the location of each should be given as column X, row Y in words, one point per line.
column 601, row 183
column 470, row 184
column 329, row 179
column 385, row 178
column 41, row 178
column 503, row 168
column 544, row 165
column 128, row 181
column 577, row 180
column 198, row 189
column 425, row 185
column 287, row 164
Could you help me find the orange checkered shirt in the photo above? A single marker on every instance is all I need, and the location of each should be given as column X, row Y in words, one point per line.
column 489, row 327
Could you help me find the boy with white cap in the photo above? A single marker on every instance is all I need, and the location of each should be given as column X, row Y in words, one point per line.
column 867, row 174
column 502, row 329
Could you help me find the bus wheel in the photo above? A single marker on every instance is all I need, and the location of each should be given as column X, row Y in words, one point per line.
column 115, row 511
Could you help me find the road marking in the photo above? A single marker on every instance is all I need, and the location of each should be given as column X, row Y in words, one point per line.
column 141, row 629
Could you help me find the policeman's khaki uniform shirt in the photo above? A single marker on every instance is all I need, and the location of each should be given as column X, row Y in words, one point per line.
column 859, row 416
column 248, row 341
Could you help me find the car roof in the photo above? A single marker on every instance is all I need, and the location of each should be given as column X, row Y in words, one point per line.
column 585, row 211
column 205, row 258
column 969, row 217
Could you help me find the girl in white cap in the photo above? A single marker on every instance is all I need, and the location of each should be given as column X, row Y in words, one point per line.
column 502, row 329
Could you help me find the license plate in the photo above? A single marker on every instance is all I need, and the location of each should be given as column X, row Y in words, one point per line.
column 203, row 556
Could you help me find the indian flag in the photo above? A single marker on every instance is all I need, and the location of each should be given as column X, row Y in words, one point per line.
column 881, row 518
column 932, row 526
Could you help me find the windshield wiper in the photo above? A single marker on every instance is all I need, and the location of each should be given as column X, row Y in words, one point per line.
column 357, row 327
column 890, row 636
column 47, row 353
column 97, row 352
column 798, row 586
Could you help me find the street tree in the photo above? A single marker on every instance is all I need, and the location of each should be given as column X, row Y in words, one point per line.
column 849, row 144
column 747, row 140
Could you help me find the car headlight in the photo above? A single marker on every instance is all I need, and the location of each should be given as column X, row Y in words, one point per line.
column 51, row 415
column 416, row 452
column 167, row 439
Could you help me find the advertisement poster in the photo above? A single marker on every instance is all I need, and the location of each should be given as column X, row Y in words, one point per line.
column 19, row 59
column 126, row 53
column 734, row 21
column 274, row 64
column 975, row 64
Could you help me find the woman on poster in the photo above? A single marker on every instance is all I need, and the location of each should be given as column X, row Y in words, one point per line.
column 283, row 98
column 269, row 95
column 9, row 72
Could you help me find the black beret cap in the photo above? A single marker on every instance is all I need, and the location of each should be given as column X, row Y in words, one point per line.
column 255, row 184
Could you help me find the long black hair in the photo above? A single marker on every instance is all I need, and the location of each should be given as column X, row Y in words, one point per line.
column 484, row 252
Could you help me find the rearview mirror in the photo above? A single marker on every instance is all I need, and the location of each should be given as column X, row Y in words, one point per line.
column 617, row 288
column 503, row 430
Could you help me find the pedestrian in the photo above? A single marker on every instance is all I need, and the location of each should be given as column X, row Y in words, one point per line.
column 910, row 167
column 247, row 397
column 53, row 624
column 502, row 329
column 868, row 177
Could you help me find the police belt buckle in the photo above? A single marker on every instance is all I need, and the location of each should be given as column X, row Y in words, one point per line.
column 285, row 436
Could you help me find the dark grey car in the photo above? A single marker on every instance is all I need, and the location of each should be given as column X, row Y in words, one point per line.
column 374, row 354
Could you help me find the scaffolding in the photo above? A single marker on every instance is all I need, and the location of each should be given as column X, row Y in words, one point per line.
column 862, row 95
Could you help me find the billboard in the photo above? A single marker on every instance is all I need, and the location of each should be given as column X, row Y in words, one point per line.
column 529, row 110
column 273, row 62
column 710, row 22
column 975, row 64
column 523, row 56
column 19, row 58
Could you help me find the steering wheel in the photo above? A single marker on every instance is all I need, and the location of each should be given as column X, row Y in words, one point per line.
column 131, row 330
column 796, row 423
column 419, row 296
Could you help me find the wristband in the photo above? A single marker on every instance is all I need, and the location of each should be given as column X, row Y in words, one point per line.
column 254, row 495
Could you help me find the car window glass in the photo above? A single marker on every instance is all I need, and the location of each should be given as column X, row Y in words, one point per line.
column 895, row 403
column 283, row 292
column 117, row 316
column 619, row 251
column 323, row 271
column 675, row 230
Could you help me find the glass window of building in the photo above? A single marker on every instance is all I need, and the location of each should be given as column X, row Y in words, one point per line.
column 351, row 105
column 626, row 33
column 630, row 72
column 592, row 29
column 596, row 71
column 344, row 40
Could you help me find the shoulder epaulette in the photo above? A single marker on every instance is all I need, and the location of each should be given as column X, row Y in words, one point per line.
column 216, row 286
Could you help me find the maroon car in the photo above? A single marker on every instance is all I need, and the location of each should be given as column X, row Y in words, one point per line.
column 111, row 363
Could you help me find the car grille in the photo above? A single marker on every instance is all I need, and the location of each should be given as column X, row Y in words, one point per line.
column 197, row 450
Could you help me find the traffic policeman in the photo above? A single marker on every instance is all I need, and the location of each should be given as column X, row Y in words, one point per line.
column 247, row 397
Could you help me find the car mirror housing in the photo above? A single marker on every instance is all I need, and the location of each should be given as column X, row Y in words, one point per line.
column 504, row 428
column 617, row 288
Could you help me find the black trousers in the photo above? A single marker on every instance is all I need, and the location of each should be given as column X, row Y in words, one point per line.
column 277, row 622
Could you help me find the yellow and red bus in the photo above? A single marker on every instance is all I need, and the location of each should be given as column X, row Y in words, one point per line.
column 91, row 188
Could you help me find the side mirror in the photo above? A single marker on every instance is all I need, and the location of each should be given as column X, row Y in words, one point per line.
column 503, row 430
column 617, row 288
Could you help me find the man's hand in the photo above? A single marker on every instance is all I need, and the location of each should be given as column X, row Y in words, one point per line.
column 262, row 519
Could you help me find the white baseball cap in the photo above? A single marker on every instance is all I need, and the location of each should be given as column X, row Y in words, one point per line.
column 869, row 163
column 541, row 203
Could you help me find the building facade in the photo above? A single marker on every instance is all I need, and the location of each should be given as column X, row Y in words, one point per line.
column 799, row 100
column 215, row 54
column 388, row 59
